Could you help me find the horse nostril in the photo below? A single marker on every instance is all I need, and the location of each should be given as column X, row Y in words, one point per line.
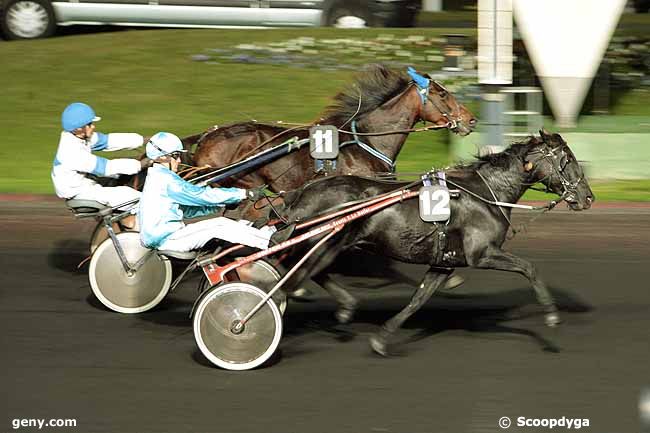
column 472, row 122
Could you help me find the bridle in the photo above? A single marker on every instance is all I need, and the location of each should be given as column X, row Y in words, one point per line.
column 558, row 160
column 424, row 93
column 448, row 112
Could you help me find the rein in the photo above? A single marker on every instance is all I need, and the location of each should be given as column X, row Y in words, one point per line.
column 345, row 204
column 501, row 205
column 397, row 131
column 551, row 204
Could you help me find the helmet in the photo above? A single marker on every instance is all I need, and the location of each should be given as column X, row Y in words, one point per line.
column 77, row 115
column 163, row 143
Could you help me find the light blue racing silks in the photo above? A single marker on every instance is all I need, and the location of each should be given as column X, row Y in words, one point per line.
column 167, row 199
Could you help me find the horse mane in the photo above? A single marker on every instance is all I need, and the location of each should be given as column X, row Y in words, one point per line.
column 376, row 85
column 517, row 150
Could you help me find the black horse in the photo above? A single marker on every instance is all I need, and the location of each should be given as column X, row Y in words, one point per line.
column 473, row 237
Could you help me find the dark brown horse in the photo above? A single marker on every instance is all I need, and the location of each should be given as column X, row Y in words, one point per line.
column 380, row 100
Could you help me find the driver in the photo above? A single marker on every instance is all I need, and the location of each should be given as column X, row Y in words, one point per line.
column 167, row 199
column 74, row 159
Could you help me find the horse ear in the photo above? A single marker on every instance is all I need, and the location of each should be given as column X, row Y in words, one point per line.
column 559, row 140
column 528, row 166
column 544, row 134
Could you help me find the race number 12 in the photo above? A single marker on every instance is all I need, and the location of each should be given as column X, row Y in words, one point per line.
column 434, row 203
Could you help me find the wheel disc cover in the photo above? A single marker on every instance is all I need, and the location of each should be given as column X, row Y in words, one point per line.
column 263, row 275
column 214, row 319
column 121, row 292
column 27, row 19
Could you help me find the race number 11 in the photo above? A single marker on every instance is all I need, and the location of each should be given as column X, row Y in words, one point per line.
column 434, row 203
column 324, row 142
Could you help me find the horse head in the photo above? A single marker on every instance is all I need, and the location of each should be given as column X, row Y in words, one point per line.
column 551, row 162
column 440, row 107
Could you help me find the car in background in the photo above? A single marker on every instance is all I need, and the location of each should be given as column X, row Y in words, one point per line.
column 30, row 19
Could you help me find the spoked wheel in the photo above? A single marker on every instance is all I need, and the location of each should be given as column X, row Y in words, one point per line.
column 124, row 293
column 260, row 274
column 222, row 341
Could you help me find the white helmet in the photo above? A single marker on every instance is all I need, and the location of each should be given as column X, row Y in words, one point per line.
column 163, row 143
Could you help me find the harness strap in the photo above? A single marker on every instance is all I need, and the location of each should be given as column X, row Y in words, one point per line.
column 442, row 178
column 371, row 150
column 550, row 205
column 496, row 200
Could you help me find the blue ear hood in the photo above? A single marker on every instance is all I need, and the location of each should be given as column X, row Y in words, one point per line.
column 421, row 82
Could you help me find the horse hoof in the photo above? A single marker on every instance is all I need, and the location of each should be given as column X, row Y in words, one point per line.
column 344, row 315
column 552, row 319
column 379, row 345
column 453, row 282
column 301, row 295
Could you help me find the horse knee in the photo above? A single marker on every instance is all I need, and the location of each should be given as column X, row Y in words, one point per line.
column 345, row 313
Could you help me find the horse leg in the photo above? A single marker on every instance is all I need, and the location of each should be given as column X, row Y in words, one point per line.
column 504, row 261
column 347, row 302
column 433, row 279
column 315, row 267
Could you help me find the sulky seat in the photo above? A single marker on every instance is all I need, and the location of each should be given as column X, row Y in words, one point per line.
column 84, row 206
column 180, row 255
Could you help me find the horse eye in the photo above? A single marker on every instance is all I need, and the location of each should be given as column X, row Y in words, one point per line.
column 443, row 94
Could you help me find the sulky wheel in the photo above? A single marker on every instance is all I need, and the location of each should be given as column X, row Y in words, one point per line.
column 124, row 293
column 259, row 273
column 263, row 275
column 100, row 235
column 215, row 322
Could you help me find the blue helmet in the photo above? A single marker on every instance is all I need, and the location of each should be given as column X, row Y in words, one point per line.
column 77, row 115
column 163, row 143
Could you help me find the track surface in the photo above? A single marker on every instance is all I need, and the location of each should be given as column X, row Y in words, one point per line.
column 468, row 358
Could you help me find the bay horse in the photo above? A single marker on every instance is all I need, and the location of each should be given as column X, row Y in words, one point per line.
column 473, row 237
column 380, row 100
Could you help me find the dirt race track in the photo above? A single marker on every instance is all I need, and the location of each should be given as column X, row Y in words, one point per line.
column 470, row 357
